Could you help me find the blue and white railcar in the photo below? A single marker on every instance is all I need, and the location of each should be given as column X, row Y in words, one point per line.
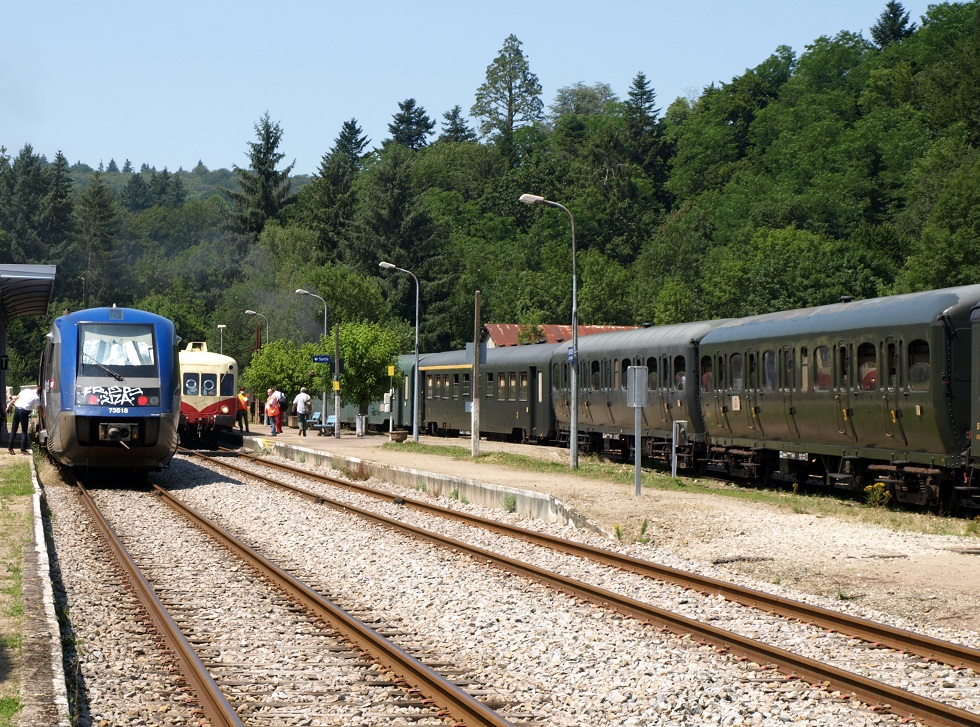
column 110, row 389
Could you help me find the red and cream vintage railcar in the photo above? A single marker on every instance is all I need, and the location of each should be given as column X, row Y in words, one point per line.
column 208, row 388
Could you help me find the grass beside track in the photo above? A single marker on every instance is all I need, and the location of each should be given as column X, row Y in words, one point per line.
column 596, row 468
column 15, row 534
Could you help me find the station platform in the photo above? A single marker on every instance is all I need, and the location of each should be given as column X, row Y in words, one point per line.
column 468, row 479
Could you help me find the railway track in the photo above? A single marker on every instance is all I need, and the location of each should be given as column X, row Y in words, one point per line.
column 896, row 700
column 270, row 680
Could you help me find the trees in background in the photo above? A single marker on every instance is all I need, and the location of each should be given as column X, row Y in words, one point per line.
column 848, row 169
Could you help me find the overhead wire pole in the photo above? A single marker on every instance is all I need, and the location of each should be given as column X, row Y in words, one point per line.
column 415, row 393
column 573, row 379
column 323, row 398
column 256, row 313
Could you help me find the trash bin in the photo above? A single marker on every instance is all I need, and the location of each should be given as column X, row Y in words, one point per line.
column 360, row 423
column 293, row 422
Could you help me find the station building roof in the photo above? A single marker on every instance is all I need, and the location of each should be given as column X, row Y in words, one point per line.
column 25, row 290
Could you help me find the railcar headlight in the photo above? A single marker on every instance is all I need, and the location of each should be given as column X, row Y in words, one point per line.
column 224, row 409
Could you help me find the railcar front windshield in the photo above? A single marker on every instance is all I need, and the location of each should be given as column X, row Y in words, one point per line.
column 116, row 350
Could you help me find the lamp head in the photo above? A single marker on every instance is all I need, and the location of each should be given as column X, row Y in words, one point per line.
column 250, row 313
column 222, row 326
column 386, row 265
column 532, row 199
column 302, row 292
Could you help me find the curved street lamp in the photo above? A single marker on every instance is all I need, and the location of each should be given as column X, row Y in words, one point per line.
column 256, row 313
column 323, row 400
column 573, row 415
column 221, row 331
column 415, row 391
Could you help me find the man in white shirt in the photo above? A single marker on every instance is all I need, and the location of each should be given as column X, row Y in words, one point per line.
column 22, row 405
column 302, row 403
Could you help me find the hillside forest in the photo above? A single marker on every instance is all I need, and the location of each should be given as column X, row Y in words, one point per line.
column 851, row 168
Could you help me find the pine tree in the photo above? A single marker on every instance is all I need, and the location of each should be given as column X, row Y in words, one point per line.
column 328, row 202
column 98, row 224
column 511, row 95
column 455, row 128
column 264, row 191
column 57, row 212
column 28, row 186
column 127, row 167
column 112, row 166
column 411, row 125
column 892, row 25
column 136, row 194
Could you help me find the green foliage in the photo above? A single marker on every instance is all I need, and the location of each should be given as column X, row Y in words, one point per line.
column 851, row 168
column 264, row 191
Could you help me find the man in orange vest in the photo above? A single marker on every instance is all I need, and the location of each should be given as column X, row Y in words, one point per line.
column 241, row 415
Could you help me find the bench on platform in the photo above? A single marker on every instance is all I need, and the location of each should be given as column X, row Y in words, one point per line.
column 314, row 422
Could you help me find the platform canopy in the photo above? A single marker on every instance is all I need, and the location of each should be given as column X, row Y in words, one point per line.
column 25, row 290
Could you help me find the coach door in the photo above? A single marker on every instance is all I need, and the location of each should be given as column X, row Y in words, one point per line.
column 889, row 382
column 843, row 400
column 787, row 387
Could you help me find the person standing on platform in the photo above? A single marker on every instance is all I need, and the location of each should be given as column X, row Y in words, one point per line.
column 282, row 409
column 241, row 416
column 272, row 412
column 302, row 403
column 23, row 404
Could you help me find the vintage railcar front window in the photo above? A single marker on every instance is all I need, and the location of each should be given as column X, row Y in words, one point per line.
column 114, row 350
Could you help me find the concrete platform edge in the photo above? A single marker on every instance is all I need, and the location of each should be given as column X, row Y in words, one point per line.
column 43, row 687
column 486, row 494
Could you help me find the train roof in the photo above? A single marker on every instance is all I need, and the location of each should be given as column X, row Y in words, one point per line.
column 111, row 314
column 533, row 353
column 659, row 337
column 889, row 312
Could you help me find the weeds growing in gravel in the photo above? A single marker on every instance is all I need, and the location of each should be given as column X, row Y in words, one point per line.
column 644, row 538
column 876, row 495
column 509, row 503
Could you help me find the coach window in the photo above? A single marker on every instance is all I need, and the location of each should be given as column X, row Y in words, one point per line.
column 720, row 380
column 466, row 386
column 428, row 386
column 843, row 366
column 804, row 379
column 664, row 373
column 822, row 369
column 596, row 377
column 606, row 375
column 707, row 383
column 770, row 378
column 455, row 386
column 556, row 376
column 919, row 368
column 787, row 370
column 890, row 363
column 652, row 375
column 735, row 369
column 489, row 388
column 512, row 386
column 502, row 387
column 522, row 389
column 680, row 372
column 867, row 361
column 564, row 376
column 753, row 371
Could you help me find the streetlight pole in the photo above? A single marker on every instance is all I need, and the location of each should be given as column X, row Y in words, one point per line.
column 221, row 330
column 573, row 382
column 256, row 313
column 323, row 400
column 415, row 392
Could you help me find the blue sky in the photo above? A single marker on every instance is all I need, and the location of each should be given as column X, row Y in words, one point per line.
column 169, row 84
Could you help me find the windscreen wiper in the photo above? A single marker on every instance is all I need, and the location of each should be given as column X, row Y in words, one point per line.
column 113, row 374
